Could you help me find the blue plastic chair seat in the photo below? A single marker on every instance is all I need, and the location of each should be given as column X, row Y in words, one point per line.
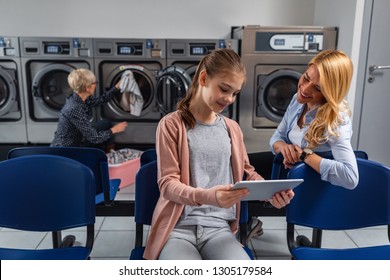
column 69, row 253
column 366, row 253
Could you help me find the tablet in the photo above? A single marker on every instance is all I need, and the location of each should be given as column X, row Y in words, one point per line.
column 265, row 189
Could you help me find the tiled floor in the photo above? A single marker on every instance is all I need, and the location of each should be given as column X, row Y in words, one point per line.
column 115, row 237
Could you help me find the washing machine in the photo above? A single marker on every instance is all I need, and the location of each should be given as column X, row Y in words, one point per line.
column 12, row 116
column 146, row 59
column 46, row 64
column 275, row 58
column 187, row 53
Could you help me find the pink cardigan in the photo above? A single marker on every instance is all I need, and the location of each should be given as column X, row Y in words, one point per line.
column 173, row 179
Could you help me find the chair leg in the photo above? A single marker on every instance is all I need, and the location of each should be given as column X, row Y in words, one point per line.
column 57, row 239
column 58, row 242
column 317, row 238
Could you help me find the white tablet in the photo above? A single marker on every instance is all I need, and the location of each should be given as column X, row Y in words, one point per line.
column 265, row 189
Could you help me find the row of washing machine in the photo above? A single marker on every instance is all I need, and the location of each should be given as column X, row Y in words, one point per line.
column 34, row 70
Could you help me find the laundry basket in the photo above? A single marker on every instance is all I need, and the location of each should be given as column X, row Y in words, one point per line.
column 124, row 164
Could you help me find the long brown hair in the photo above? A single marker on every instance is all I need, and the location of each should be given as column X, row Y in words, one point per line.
column 218, row 62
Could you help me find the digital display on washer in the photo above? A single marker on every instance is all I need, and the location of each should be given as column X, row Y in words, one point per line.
column 279, row 42
column 52, row 49
column 56, row 48
column 198, row 51
column 201, row 48
column 125, row 50
column 129, row 49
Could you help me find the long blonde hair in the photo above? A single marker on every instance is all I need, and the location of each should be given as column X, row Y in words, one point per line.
column 215, row 63
column 335, row 69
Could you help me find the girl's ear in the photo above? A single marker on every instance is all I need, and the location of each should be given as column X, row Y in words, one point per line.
column 202, row 77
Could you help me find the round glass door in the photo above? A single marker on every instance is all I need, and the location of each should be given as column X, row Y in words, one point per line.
column 275, row 93
column 144, row 84
column 172, row 86
column 7, row 92
column 51, row 84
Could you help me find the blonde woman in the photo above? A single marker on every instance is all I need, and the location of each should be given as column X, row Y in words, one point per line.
column 318, row 120
column 74, row 126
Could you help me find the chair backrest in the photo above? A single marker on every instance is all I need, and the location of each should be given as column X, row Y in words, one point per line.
column 146, row 193
column 148, row 156
column 46, row 193
column 320, row 204
column 94, row 158
column 262, row 162
column 279, row 172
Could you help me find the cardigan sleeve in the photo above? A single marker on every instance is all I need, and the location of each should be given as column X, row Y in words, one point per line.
column 173, row 165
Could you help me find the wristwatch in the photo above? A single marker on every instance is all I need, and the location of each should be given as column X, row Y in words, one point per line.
column 305, row 153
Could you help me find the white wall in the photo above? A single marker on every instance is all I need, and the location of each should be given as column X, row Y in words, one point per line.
column 147, row 18
column 348, row 16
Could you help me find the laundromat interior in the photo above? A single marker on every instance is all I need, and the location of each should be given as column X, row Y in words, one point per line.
column 162, row 42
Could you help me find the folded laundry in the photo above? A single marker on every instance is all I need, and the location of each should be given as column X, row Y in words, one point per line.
column 132, row 100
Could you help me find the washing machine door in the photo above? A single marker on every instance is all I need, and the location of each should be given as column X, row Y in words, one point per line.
column 8, row 91
column 274, row 93
column 145, row 84
column 172, row 86
column 50, row 84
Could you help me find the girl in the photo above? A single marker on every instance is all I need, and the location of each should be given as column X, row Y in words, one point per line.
column 200, row 154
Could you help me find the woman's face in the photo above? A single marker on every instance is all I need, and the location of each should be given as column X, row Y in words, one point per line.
column 91, row 87
column 220, row 91
column 309, row 89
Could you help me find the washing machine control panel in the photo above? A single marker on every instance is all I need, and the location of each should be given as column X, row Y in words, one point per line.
column 311, row 42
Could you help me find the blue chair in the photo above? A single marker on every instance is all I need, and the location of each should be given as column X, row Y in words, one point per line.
column 148, row 156
column 321, row 205
column 46, row 193
column 93, row 158
column 279, row 172
column 146, row 196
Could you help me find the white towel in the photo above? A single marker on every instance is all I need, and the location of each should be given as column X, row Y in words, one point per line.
column 132, row 100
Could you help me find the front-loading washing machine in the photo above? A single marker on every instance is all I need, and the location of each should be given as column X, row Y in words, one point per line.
column 275, row 58
column 146, row 59
column 12, row 112
column 46, row 63
column 187, row 53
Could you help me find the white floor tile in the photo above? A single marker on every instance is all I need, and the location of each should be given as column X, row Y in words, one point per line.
column 113, row 244
column 21, row 239
column 277, row 222
column 271, row 244
column 369, row 237
column 331, row 239
column 118, row 223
